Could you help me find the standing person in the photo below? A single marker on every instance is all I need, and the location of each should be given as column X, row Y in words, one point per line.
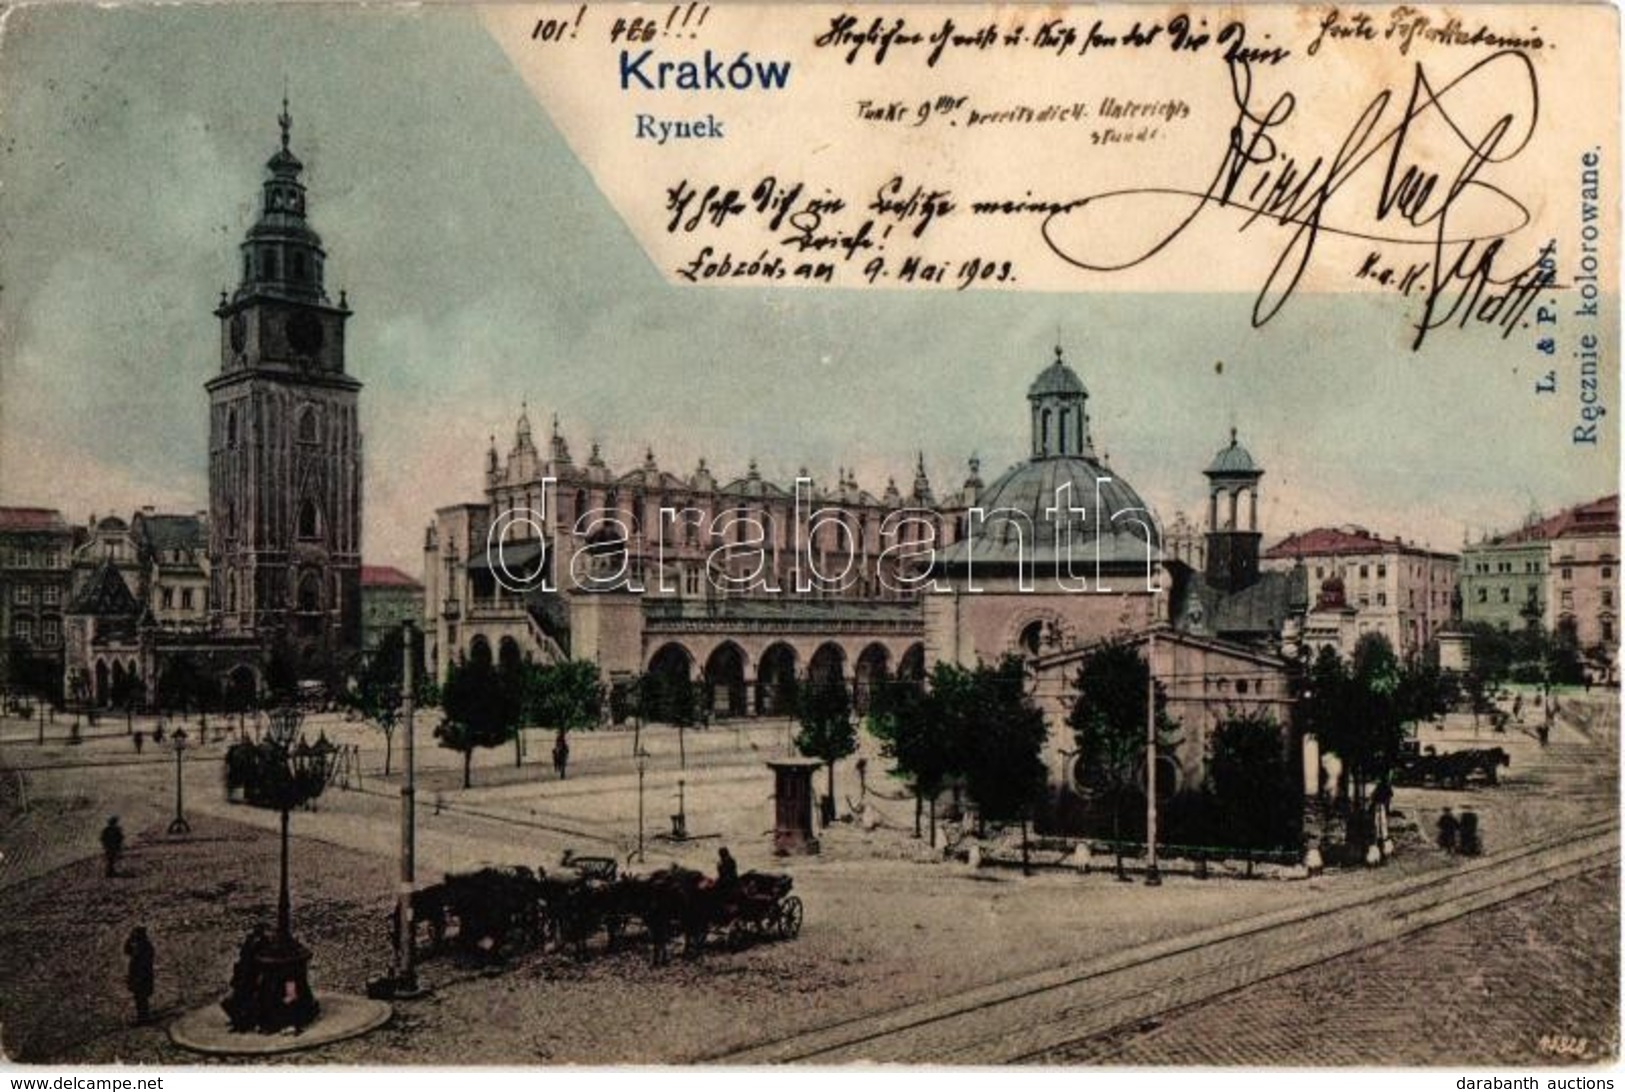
column 1448, row 829
column 112, row 845
column 727, row 870
column 1470, row 845
column 561, row 755
column 140, row 738
column 139, row 976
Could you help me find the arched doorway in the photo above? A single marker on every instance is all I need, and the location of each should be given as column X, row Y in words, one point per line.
column 310, row 604
column 668, row 695
column 725, row 672
column 242, row 688
column 872, row 669
column 912, row 665
column 479, row 650
column 104, row 686
column 776, row 681
column 508, row 653
column 827, row 666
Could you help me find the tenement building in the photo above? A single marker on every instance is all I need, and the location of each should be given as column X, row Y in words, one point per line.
column 1364, row 583
column 36, row 549
column 1560, row 572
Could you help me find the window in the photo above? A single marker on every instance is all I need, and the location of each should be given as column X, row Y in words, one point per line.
column 1412, row 597
column 1568, row 573
column 1483, row 595
column 1320, row 573
column 186, row 599
column 167, row 598
column 1566, row 599
column 50, row 595
column 1382, row 599
column 1607, row 628
column 23, row 629
column 50, row 633
column 1382, row 571
column 307, row 425
column 231, row 428
column 23, row 594
column 1607, row 598
column 1506, row 595
column 1365, row 571
column 1365, row 600
column 1607, row 572
column 309, row 523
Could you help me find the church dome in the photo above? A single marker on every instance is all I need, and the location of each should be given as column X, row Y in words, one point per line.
column 1091, row 494
column 1056, row 379
column 1233, row 459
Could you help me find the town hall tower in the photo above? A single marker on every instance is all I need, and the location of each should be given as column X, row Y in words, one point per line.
column 284, row 441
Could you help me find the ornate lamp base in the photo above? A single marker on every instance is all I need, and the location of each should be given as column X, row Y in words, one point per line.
column 278, row 996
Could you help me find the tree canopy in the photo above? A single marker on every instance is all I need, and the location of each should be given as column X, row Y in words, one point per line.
column 481, row 707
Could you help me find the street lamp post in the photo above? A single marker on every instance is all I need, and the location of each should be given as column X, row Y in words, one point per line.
column 288, row 774
column 179, row 825
column 643, row 765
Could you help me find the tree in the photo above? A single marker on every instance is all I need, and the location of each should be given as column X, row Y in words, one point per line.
column 1004, row 771
column 1252, row 783
column 1108, row 721
column 827, row 729
column 477, row 712
column 905, row 717
column 565, row 696
column 379, row 691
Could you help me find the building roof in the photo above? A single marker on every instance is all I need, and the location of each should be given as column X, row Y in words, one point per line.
column 105, row 594
column 387, row 576
column 1056, row 379
column 1103, row 515
column 31, row 519
column 1166, row 634
column 1341, row 541
column 1233, row 459
column 163, row 533
column 1255, row 612
column 1598, row 517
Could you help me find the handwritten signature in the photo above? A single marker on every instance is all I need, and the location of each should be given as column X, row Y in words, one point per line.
column 1374, row 186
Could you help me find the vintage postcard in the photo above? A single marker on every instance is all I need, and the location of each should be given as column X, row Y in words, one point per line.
column 732, row 534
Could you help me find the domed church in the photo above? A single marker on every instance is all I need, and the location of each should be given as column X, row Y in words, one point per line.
column 1059, row 551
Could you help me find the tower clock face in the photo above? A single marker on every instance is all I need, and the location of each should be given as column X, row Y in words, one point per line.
column 304, row 333
column 239, row 332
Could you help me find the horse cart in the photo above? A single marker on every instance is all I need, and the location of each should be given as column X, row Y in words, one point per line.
column 760, row 907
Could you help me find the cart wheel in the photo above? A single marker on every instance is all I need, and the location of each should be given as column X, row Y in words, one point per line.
column 790, row 918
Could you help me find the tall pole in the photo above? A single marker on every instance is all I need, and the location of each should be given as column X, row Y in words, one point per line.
column 284, row 916
column 179, row 825
column 641, row 765
column 407, row 973
column 1152, row 876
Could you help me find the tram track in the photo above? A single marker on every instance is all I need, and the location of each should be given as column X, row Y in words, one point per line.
column 1033, row 1017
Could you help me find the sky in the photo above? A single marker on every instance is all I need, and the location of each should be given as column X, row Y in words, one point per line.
column 485, row 271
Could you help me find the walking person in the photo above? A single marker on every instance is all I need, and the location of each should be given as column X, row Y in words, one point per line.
column 561, row 756
column 140, row 738
column 112, row 845
column 1449, row 829
column 138, row 977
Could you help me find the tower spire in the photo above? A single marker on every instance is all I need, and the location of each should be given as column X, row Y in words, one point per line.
column 284, row 119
